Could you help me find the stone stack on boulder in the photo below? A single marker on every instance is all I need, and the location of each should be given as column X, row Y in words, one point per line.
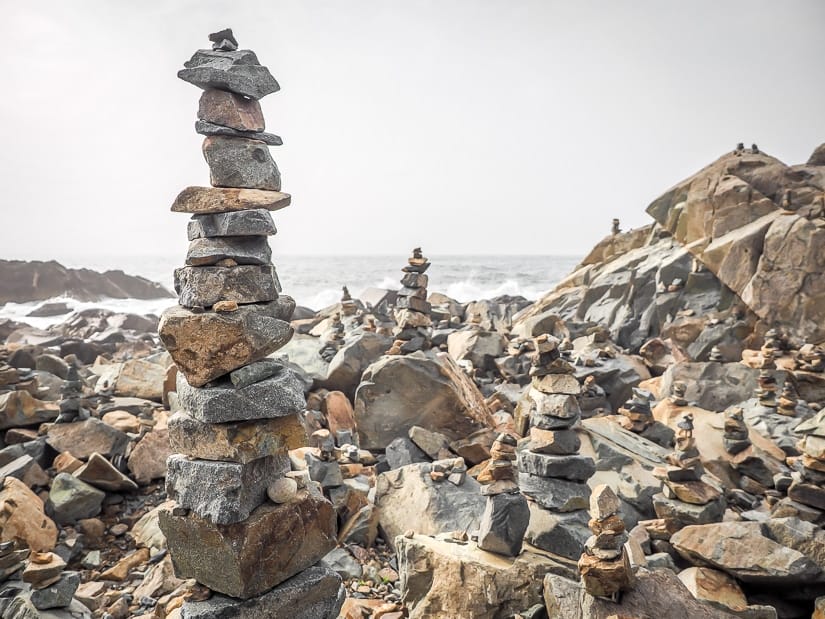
column 412, row 310
column 766, row 392
column 606, row 565
column 811, row 358
column 51, row 587
column 686, row 499
column 735, row 434
column 638, row 416
column 552, row 474
column 808, row 487
column 240, row 524
column 71, row 404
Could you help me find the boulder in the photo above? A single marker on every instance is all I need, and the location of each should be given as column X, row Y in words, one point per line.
column 83, row 438
column 139, row 378
column 208, row 345
column 476, row 346
column 398, row 392
column 347, row 366
column 710, row 385
column 23, row 518
column 71, row 499
column 245, row 559
column 407, row 498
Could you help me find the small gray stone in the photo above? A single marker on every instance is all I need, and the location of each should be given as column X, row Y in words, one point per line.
column 255, row 372
column 551, row 422
column 205, row 286
column 250, row 222
column 558, row 495
column 604, row 502
column 223, row 492
column 402, row 451
column 206, row 128
column 326, row 473
column 342, row 562
column 279, row 395
column 237, row 71
column 575, row 468
column 240, row 163
column 315, row 593
column 71, row 499
column 57, row 595
column 686, row 514
column 503, row 524
column 241, row 249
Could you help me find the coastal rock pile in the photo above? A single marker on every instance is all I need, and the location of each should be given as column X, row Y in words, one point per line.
column 552, row 474
column 241, row 524
column 412, row 310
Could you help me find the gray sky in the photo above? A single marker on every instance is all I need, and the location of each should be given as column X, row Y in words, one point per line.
column 464, row 126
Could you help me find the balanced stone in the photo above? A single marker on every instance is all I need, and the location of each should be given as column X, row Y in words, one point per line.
column 250, row 222
column 277, row 396
column 223, row 492
column 205, row 286
column 221, row 107
column 558, row 495
column 565, row 384
column 206, row 128
column 255, row 372
column 240, row 162
column 207, row 200
column 242, row 441
column 208, row 345
column 236, row 71
column 414, row 280
column 555, row 404
column 241, row 249
column 245, row 559
column 503, row 524
column 604, row 502
column 56, row 595
column 554, row 442
column 552, row 422
column 315, row 593
column 224, row 40
column 572, row 467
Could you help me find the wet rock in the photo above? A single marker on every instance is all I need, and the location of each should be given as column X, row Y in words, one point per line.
column 245, row 559
column 205, row 286
column 223, row 492
column 71, row 499
column 240, row 163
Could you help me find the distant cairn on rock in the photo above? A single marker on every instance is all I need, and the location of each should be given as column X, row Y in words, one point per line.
column 243, row 524
column 412, row 310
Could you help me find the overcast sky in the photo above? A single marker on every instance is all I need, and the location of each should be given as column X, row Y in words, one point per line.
column 464, row 126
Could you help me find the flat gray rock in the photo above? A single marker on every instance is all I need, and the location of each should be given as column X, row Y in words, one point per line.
column 237, row 71
column 241, row 249
column 223, row 492
column 204, row 127
column 279, row 395
column 240, row 163
column 250, row 222
column 315, row 593
column 205, row 286
column 575, row 468
column 559, row 495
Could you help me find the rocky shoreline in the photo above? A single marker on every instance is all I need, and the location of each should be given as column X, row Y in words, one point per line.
column 648, row 438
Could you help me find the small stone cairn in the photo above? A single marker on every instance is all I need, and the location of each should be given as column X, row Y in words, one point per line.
column 808, row 487
column 606, row 566
column 71, row 403
column 412, row 310
column 637, row 412
column 243, row 524
column 735, row 432
column 552, row 474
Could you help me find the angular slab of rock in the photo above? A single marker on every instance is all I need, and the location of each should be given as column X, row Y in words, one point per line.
column 503, row 524
column 71, row 499
column 223, row 492
column 250, row 222
column 100, row 473
column 247, row 558
column 242, row 441
column 242, row 249
column 19, row 409
column 554, row 442
column 561, row 534
column 432, row 571
column 574, row 468
column 555, row 404
column 205, row 286
column 208, row 345
column 557, row 383
column 225, row 108
column 84, row 438
column 220, row 402
column 315, row 593
column 559, row 495
column 238, row 71
column 805, row 537
column 687, row 513
column 22, row 517
column 714, row 587
column 206, row 128
column 147, row 461
column 240, row 162
column 57, row 595
column 742, row 550
column 210, row 200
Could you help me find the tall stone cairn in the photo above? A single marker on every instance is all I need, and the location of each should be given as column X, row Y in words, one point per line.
column 552, row 473
column 412, row 310
column 243, row 524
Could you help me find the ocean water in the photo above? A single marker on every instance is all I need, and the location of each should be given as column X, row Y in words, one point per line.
column 315, row 281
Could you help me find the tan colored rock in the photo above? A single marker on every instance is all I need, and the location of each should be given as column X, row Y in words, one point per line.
column 43, row 567
column 235, row 442
column 339, row 413
column 146, row 531
column 122, row 420
column 460, row 581
column 83, row 438
column 715, row 587
column 19, row 408
column 120, row 571
column 66, row 463
column 208, row 345
column 22, row 517
column 100, row 473
column 148, row 458
column 139, row 378
column 200, row 200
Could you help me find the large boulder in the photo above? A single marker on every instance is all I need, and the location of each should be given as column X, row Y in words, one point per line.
column 398, row 392
column 710, row 385
column 348, row 364
column 477, row 346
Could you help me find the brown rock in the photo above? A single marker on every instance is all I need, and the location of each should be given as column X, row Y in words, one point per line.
column 148, row 458
column 121, row 569
column 42, row 568
column 228, row 109
column 123, row 421
column 100, row 473
column 694, row 492
column 201, row 200
column 19, row 408
column 242, row 441
column 604, row 578
column 139, row 378
column 66, row 463
column 338, row 410
column 208, row 345
column 22, row 517
column 715, row 587
column 554, row 442
column 93, row 530
column 247, row 558
column 83, row 438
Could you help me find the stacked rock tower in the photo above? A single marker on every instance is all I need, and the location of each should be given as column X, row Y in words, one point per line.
column 412, row 310
column 243, row 525
column 551, row 472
